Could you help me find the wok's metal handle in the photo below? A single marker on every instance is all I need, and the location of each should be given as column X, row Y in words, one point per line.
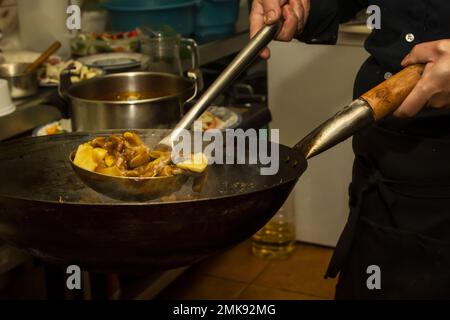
column 233, row 70
column 372, row 106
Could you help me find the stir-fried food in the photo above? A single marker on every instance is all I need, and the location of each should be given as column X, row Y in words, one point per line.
column 127, row 156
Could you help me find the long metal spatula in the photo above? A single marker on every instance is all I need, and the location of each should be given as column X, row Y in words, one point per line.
column 232, row 71
column 372, row 106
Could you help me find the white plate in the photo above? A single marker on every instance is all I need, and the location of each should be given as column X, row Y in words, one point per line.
column 229, row 119
column 64, row 124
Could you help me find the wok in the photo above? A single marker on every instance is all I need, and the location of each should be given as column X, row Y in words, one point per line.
column 47, row 209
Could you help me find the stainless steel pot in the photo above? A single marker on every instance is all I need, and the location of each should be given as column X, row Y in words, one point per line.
column 21, row 84
column 155, row 100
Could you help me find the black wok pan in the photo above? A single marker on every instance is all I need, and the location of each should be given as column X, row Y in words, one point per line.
column 47, row 209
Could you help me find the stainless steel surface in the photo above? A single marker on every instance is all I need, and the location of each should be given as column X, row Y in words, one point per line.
column 341, row 126
column 21, row 84
column 93, row 106
column 27, row 117
column 239, row 63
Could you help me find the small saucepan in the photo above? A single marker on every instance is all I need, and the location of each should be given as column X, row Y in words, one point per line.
column 21, row 84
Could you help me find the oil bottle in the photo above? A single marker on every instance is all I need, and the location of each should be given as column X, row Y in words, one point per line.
column 276, row 240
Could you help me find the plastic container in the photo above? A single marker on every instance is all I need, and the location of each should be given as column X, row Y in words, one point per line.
column 178, row 15
column 93, row 21
column 216, row 19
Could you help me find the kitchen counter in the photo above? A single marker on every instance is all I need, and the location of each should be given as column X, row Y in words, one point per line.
column 31, row 113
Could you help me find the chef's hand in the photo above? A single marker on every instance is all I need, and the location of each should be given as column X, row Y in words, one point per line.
column 293, row 12
column 433, row 89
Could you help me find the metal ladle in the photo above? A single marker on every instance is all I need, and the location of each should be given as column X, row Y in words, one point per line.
column 141, row 189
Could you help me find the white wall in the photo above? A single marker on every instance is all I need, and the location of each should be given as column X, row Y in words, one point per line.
column 307, row 85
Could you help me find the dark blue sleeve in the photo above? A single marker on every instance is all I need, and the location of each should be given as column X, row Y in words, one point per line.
column 324, row 19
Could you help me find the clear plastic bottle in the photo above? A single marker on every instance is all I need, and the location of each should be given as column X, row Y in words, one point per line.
column 276, row 240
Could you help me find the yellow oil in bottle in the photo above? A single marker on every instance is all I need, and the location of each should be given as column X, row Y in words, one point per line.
column 276, row 240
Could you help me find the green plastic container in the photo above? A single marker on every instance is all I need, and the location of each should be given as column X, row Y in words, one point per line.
column 216, row 19
column 178, row 15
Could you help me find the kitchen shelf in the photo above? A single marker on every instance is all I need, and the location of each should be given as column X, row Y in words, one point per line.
column 352, row 34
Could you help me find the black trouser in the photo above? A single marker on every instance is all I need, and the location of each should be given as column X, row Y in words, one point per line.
column 399, row 218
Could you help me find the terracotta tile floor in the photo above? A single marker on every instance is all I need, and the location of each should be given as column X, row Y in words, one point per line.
column 238, row 274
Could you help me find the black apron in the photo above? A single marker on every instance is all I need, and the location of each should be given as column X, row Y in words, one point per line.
column 400, row 194
column 399, row 214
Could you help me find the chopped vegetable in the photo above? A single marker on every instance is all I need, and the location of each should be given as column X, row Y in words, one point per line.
column 127, row 156
column 196, row 163
column 78, row 71
column 85, row 158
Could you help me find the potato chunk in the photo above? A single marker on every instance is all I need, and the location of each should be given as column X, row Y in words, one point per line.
column 196, row 163
column 85, row 158
column 99, row 154
column 110, row 171
column 110, row 160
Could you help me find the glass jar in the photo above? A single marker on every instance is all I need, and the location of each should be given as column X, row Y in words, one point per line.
column 276, row 240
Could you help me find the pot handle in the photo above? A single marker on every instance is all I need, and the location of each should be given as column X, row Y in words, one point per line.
column 192, row 46
column 64, row 83
column 193, row 72
column 197, row 79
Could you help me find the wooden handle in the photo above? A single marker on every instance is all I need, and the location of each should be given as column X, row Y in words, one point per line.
column 389, row 95
column 43, row 57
